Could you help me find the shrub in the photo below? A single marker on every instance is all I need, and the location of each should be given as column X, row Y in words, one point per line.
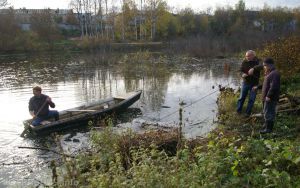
column 286, row 53
column 89, row 43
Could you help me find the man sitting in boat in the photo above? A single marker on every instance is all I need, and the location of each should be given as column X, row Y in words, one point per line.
column 39, row 107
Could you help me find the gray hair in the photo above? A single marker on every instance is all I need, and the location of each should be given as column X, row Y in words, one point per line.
column 251, row 52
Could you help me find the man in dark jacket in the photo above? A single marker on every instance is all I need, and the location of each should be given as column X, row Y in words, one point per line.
column 39, row 107
column 270, row 94
column 249, row 82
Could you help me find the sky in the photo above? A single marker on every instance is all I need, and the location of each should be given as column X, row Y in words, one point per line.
column 197, row 5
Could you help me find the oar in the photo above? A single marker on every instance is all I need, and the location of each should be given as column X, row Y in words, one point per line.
column 27, row 125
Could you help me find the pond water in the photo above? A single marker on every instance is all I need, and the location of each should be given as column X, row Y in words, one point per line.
column 75, row 79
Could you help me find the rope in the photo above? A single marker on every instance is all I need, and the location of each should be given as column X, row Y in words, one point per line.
column 207, row 95
column 189, row 105
column 174, row 92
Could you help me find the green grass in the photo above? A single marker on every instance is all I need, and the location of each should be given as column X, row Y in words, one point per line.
column 292, row 85
column 234, row 155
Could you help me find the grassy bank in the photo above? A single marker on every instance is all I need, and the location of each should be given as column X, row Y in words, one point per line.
column 233, row 155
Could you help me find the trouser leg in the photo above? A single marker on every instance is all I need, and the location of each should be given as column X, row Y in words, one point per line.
column 269, row 115
column 270, row 110
column 37, row 121
column 244, row 92
column 251, row 101
column 53, row 114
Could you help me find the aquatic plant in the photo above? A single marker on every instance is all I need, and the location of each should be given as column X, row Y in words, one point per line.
column 227, row 157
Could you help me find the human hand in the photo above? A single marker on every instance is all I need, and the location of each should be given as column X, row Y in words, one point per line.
column 268, row 99
column 251, row 71
column 254, row 88
column 244, row 75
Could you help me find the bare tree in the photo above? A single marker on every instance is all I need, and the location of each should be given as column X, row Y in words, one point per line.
column 154, row 10
column 44, row 25
column 112, row 17
column 76, row 5
column 3, row 3
column 95, row 18
column 153, row 17
column 123, row 19
column 90, row 15
column 8, row 30
column 141, row 17
column 85, row 9
column 106, row 17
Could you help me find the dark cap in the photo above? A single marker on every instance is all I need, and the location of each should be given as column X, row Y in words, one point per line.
column 269, row 61
column 37, row 88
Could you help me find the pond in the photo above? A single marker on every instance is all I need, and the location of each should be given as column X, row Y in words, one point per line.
column 74, row 79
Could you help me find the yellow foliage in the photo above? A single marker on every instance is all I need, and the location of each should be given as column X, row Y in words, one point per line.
column 92, row 42
column 286, row 53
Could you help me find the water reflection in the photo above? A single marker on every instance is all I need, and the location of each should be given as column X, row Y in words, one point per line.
column 74, row 79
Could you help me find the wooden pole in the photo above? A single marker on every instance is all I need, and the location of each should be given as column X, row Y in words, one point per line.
column 179, row 143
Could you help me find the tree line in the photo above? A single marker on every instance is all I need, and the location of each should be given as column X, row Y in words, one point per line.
column 154, row 20
column 146, row 20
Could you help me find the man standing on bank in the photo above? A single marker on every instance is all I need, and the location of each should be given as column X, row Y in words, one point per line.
column 270, row 94
column 250, row 82
column 39, row 107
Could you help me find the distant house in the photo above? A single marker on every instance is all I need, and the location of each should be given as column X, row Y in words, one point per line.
column 255, row 19
column 23, row 17
column 292, row 25
column 252, row 18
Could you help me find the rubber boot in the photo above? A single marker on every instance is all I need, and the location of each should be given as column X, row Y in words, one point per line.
column 264, row 126
column 268, row 127
column 56, row 117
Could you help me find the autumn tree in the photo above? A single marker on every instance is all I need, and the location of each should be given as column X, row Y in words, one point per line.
column 3, row 3
column 76, row 5
column 187, row 22
column 283, row 17
column 141, row 22
column 111, row 21
column 167, row 25
column 238, row 18
column 275, row 20
column 9, row 30
column 297, row 19
column 130, row 19
column 220, row 22
column 240, row 7
column 202, row 23
column 44, row 25
column 71, row 18
column 153, row 11
column 126, row 21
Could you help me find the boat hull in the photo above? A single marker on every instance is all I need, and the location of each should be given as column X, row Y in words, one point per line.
column 89, row 116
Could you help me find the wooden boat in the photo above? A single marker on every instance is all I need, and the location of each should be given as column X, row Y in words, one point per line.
column 83, row 114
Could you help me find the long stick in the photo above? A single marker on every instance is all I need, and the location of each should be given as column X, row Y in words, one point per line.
column 41, row 108
column 27, row 125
